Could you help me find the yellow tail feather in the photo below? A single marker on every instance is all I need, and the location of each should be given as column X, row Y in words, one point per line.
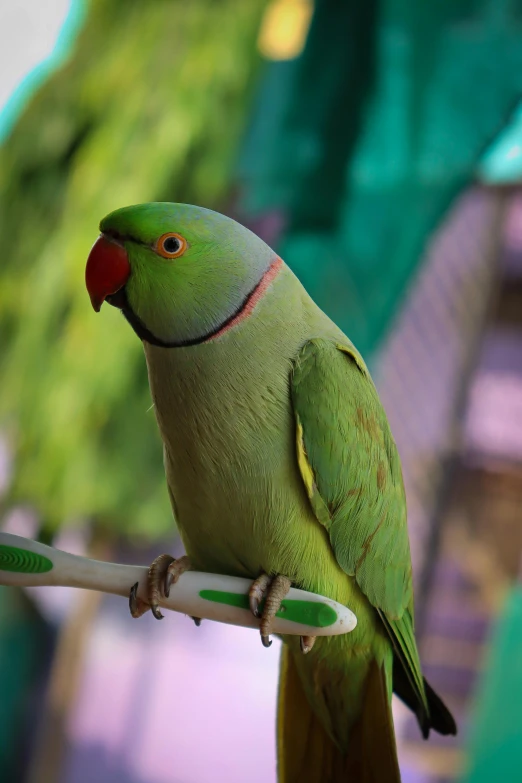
column 306, row 754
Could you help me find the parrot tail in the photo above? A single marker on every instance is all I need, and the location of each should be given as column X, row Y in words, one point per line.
column 306, row 753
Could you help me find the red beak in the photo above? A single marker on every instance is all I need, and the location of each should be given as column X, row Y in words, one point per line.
column 107, row 270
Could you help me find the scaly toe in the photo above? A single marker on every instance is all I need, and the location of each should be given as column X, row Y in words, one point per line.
column 257, row 592
column 279, row 587
column 155, row 579
column 163, row 573
column 175, row 569
column 307, row 642
column 136, row 605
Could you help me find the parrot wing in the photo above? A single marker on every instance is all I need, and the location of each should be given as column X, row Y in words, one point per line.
column 351, row 470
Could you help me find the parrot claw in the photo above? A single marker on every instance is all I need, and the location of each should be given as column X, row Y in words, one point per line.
column 307, row 642
column 272, row 590
column 257, row 592
column 163, row 573
column 197, row 620
column 174, row 571
column 136, row 605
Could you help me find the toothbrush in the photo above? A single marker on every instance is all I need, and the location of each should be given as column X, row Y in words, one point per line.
column 27, row 563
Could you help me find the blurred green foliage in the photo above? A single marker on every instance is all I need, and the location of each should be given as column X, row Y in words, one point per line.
column 149, row 107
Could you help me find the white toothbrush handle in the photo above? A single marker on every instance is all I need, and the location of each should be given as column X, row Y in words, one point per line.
column 27, row 563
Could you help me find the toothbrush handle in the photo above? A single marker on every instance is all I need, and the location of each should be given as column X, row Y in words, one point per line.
column 27, row 563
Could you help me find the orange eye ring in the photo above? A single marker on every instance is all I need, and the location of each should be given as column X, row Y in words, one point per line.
column 170, row 245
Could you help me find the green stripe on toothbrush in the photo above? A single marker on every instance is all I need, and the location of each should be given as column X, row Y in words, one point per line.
column 312, row 613
column 23, row 561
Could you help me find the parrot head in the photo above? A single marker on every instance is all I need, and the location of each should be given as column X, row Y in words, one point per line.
column 180, row 274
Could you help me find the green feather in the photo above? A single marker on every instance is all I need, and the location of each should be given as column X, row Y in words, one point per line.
column 351, row 470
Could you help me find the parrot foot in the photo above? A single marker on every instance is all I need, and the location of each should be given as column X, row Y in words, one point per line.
column 273, row 589
column 163, row 573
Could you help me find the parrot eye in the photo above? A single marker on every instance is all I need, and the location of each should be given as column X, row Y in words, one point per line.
column 171, row 245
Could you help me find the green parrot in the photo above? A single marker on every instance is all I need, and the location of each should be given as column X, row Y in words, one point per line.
column 281, row 468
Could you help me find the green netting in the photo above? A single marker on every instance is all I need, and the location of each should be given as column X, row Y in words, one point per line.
column 496, row 747
column 501, row 163
column 365, row 139
column 24, row 649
